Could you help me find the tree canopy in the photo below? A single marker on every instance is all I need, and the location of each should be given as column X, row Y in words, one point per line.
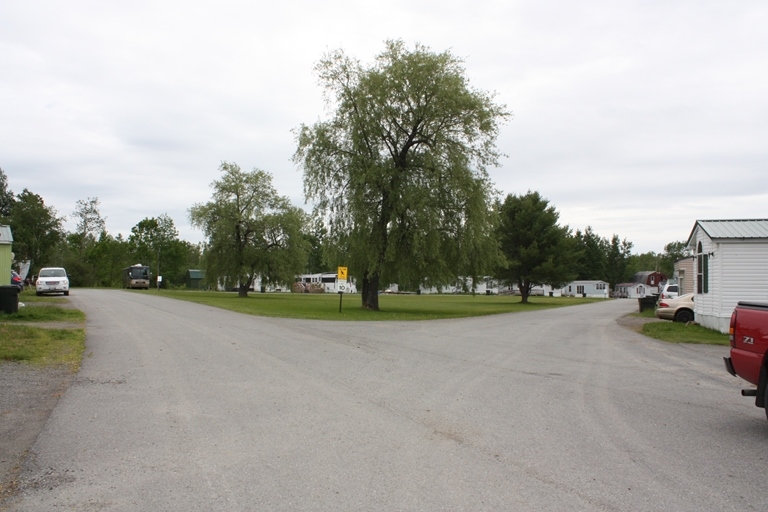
column 398, row 174
column 90, row 224
column 36, row 228
column 536, row 248
column 251, row 230
column 6, row 197
column 155, row 242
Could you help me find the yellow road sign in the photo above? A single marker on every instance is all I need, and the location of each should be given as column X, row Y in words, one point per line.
column 342, row 273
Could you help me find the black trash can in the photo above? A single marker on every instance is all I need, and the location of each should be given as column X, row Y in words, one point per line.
column 648, row 302
column 9, row 299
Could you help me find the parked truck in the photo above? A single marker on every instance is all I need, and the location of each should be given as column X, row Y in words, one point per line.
column 749, row 344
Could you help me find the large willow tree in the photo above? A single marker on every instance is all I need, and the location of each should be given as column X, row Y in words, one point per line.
column 252, row 231
column 398, row 174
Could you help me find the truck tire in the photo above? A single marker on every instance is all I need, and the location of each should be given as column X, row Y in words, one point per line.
column 766, row 402
column 684, row 316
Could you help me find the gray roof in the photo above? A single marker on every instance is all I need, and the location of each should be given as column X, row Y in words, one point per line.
column 738, row 228
column 5, row 234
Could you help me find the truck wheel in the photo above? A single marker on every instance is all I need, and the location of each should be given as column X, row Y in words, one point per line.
column 683, row 316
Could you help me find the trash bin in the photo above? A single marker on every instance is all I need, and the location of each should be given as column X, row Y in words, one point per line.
column 648, row 302
column 9, row 299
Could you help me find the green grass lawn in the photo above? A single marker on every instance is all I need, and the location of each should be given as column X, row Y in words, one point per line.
column 42, row 346
column 324, row 306
column 43, row 312
column 37, row 345
column 676, row 332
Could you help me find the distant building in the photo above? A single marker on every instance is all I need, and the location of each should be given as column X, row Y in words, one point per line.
column 596, row 289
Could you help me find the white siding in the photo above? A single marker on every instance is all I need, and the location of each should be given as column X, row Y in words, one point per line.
column 746, row 268
column 738, row 270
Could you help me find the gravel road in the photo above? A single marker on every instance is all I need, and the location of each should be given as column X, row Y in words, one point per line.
column 186, row 407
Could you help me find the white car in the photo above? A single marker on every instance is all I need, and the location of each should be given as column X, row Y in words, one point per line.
column 669, row 291
column 52, row 280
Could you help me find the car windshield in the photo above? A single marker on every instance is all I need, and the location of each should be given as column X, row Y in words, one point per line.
column 53, row 272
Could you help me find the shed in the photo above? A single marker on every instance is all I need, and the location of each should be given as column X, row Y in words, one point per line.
column 651, row 278
column 729, row 266
column 195, row 278
column 6, row 256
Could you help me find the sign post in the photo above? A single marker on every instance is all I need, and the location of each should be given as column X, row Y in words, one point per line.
column 341, row 278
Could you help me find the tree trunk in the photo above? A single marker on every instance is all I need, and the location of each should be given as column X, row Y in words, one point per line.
column 525, row 290
column 370, row 291
column 242, row 290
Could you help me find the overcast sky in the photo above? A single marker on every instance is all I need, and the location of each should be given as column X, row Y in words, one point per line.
column 634, row 117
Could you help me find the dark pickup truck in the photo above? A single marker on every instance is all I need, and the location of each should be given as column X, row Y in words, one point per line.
column 749, row 344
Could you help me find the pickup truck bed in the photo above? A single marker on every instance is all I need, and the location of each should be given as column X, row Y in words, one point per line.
column 749, row 344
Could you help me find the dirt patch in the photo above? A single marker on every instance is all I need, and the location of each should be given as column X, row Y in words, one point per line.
column 636, row 323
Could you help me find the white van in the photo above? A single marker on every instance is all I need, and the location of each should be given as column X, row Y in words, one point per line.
column 669, row 291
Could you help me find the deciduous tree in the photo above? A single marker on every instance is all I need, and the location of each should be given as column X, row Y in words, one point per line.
column 251, row 230
column 90, row 224
column 6, row 198
column 36, row 228
column 673, row 251
column 155, row 242
column 398, row 173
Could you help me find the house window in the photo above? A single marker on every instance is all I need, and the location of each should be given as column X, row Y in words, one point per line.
column 702, row 270
column 579, row 289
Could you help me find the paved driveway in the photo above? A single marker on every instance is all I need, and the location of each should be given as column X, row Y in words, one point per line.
column 186, row 407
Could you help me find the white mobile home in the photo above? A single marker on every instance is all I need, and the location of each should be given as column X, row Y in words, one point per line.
column 327, row 281
column 730, row 265
column 598, row 289
column 483, row 286
column 632, row 290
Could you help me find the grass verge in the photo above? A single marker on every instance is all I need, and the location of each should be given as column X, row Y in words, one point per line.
column 42, row 346
column 38, row 345
column 676, row 332
column 43, row 313
column 392, row 307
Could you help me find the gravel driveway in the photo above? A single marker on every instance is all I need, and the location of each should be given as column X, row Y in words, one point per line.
column 204, row 409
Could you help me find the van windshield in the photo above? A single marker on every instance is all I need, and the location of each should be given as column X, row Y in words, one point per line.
column 140, row 273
